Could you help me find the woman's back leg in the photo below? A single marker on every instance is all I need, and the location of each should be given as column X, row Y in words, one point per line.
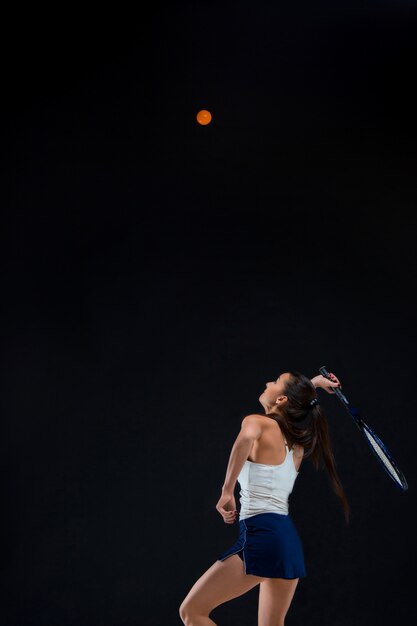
column 275, row 597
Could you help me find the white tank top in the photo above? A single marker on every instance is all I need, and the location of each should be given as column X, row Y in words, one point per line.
column 266, row 488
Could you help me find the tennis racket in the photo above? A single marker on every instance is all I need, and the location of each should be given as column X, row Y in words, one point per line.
column 378, row 448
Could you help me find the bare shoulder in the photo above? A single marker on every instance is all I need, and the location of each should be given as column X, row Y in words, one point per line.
column 255, row 418
column 261, row 420
column 258, row 415
column 252, row 426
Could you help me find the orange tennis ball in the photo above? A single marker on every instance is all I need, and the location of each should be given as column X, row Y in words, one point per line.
column 204, row 117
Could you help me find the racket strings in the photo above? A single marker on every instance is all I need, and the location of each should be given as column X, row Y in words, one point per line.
column 384, row 458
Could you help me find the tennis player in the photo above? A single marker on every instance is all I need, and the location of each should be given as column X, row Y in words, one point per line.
column 265, row 459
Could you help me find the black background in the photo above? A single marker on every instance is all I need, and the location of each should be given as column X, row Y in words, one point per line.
column 156, row 273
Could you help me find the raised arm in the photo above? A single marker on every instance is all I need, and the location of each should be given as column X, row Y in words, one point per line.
column 325, row 383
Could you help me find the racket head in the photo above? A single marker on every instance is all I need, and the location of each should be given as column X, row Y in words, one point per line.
column 376, row 445
column 384, row 456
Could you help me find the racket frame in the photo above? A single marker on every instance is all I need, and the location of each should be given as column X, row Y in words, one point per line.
column 363, row 426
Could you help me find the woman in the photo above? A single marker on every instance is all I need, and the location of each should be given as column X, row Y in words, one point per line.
column 265, row 460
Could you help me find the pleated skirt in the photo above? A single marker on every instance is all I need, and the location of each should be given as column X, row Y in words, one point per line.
column 269, row 546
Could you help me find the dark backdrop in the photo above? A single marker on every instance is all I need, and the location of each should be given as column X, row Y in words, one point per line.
column 156, row 273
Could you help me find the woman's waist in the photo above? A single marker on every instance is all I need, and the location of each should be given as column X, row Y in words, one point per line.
column 268, row 502
column 264, row 515
column 249, row 505
column 263, row 491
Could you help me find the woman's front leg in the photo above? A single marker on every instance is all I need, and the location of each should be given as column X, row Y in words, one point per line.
column 223, row 581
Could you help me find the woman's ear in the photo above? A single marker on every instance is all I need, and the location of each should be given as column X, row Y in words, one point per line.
column 281, row 400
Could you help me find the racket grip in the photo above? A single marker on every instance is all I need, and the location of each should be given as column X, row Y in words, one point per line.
column 324, row 372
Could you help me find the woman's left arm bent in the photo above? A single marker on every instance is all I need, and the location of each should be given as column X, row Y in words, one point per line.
column 250, row 431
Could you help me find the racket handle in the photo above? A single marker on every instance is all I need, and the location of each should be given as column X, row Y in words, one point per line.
column 324, row 372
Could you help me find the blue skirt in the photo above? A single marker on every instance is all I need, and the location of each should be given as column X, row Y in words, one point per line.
column 269, row 546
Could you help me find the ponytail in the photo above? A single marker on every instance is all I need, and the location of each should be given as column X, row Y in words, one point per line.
column 323, row 452
column 303, row 422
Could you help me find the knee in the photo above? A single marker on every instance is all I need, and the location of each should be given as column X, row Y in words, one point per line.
column 280, row 621
column 182, row 612
column 189, row 614
column 271, row 619
column 274, row 622
column 185, row 613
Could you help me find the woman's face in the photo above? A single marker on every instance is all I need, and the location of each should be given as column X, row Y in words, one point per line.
column 274, row 389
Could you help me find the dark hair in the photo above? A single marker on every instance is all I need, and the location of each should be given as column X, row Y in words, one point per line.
column 307, row 426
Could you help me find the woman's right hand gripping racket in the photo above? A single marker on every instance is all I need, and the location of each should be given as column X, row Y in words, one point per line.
column 378, row 448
